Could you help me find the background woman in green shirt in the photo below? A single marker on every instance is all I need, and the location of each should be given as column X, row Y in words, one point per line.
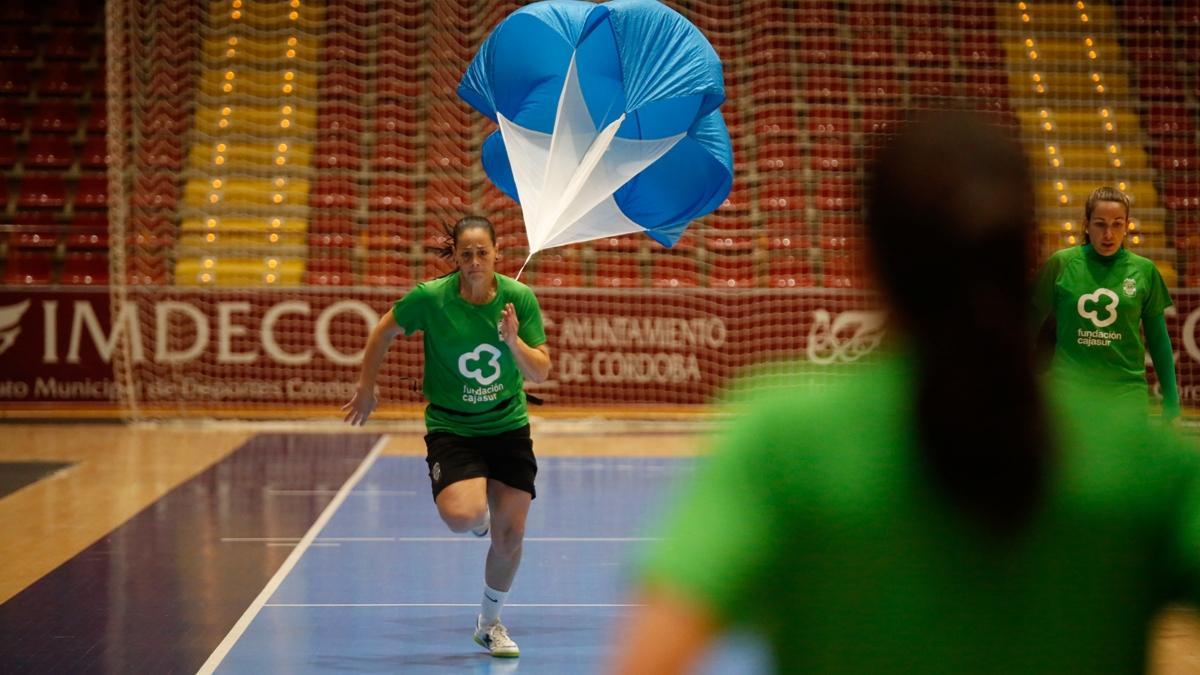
column 483, row 336
column 935, row 513
column 1101, row 296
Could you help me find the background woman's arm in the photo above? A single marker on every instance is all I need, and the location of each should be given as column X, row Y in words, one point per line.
column 1158, row 343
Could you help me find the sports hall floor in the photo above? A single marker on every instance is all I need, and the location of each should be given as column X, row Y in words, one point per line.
column 298, row 548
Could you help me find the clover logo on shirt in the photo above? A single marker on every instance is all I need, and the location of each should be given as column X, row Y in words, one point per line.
column 1101, row 300
column 473, row 365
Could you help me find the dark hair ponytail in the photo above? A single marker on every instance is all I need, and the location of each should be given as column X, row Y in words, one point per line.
column 449, row 237
column 950, row 214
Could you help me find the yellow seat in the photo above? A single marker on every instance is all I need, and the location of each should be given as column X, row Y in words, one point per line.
column 259, row 48
column 245, row 192
column 278, row 224
column 250, row 156
column 212, row 271
column 257, row 120
column 258, row 83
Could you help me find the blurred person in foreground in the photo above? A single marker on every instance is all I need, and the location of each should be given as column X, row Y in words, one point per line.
column 938, row 512
column 1101, row 295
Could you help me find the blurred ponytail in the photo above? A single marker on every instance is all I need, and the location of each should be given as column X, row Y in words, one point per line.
column 950, row 215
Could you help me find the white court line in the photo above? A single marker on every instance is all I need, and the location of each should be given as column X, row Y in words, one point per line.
column 360, row 493
column 456, row 540
column 448, row 604
column 255, row 607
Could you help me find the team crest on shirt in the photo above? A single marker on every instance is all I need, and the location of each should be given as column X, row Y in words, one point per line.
column 1099, row 307
column 482, row 364
column 1130, row 288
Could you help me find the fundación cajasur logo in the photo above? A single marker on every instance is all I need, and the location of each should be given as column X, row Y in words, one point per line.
column 1091, row 307
column 492, row 365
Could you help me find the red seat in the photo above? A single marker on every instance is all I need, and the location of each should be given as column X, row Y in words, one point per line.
column 333, row 192
column 89, row 230
column 396, row 118
column 727, row 243
column 789, row 271
column 871, row 16
column 778, row 157
column 927, row 50
column 828, row 86
column 1182, row 194
column 1158, row 83
column 92, row 192
column 1170, row 120
column 61, row 78
column 1176, row 154
column 919, row 16
column 389, row 231
column 980, row 51
column 49, row 152
column 821, row 51
column 29, row 267
column 873, row 51
column 394, row 152
column 788, row 239
column 84, row 268
column 447, row 194
column 830, row 122
column 737, row 270
column 932, row 84
column 819, row 16
column 8, row 150
column 17, row 43
column 12, row 115
column 631, row 243
column 19, row 13
column 97, row 120
column 392, row 194
column 29, row 236
column 75, row 12
column 341, row 44
column 42, row 192
column 618, row 271
column 837, row 194
column 832, row 155
column 674, row 271
column 776, row 120
column 339, row 118
column 877, row 85
column 780, row 195
column 14, row 78
column 163, row 154
column 71, row 44
column 737, row 202
column 879, row 120
column 555, row 271
column 329, row 271
column 342, row 81
column 55, row 116
column 337, row 154
column 388, row 269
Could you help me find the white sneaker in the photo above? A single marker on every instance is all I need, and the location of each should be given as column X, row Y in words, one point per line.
column 494, row 638
column 482, row 530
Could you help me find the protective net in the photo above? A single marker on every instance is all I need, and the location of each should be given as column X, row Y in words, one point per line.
column 278, row 167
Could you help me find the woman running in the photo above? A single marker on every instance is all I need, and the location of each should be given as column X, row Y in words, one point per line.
column 483, row 338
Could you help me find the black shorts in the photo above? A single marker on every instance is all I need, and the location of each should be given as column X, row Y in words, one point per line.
column 506, row 457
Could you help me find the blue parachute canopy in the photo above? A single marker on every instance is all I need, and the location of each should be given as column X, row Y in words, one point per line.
column 608, row 116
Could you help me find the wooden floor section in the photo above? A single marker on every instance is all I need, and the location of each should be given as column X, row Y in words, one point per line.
column 117, row 471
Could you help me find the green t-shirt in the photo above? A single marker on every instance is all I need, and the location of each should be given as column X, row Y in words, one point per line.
column 816, row 524
column 468, row 368
column 1099, row 304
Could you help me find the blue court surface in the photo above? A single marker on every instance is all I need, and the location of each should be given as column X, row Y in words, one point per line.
column 381, row 586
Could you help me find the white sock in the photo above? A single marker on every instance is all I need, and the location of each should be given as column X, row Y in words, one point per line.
column 493, row 602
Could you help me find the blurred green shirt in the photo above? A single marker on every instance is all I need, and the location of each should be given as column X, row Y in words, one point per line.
column 815, row 523
column 1099, row 304
column 468, row 368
